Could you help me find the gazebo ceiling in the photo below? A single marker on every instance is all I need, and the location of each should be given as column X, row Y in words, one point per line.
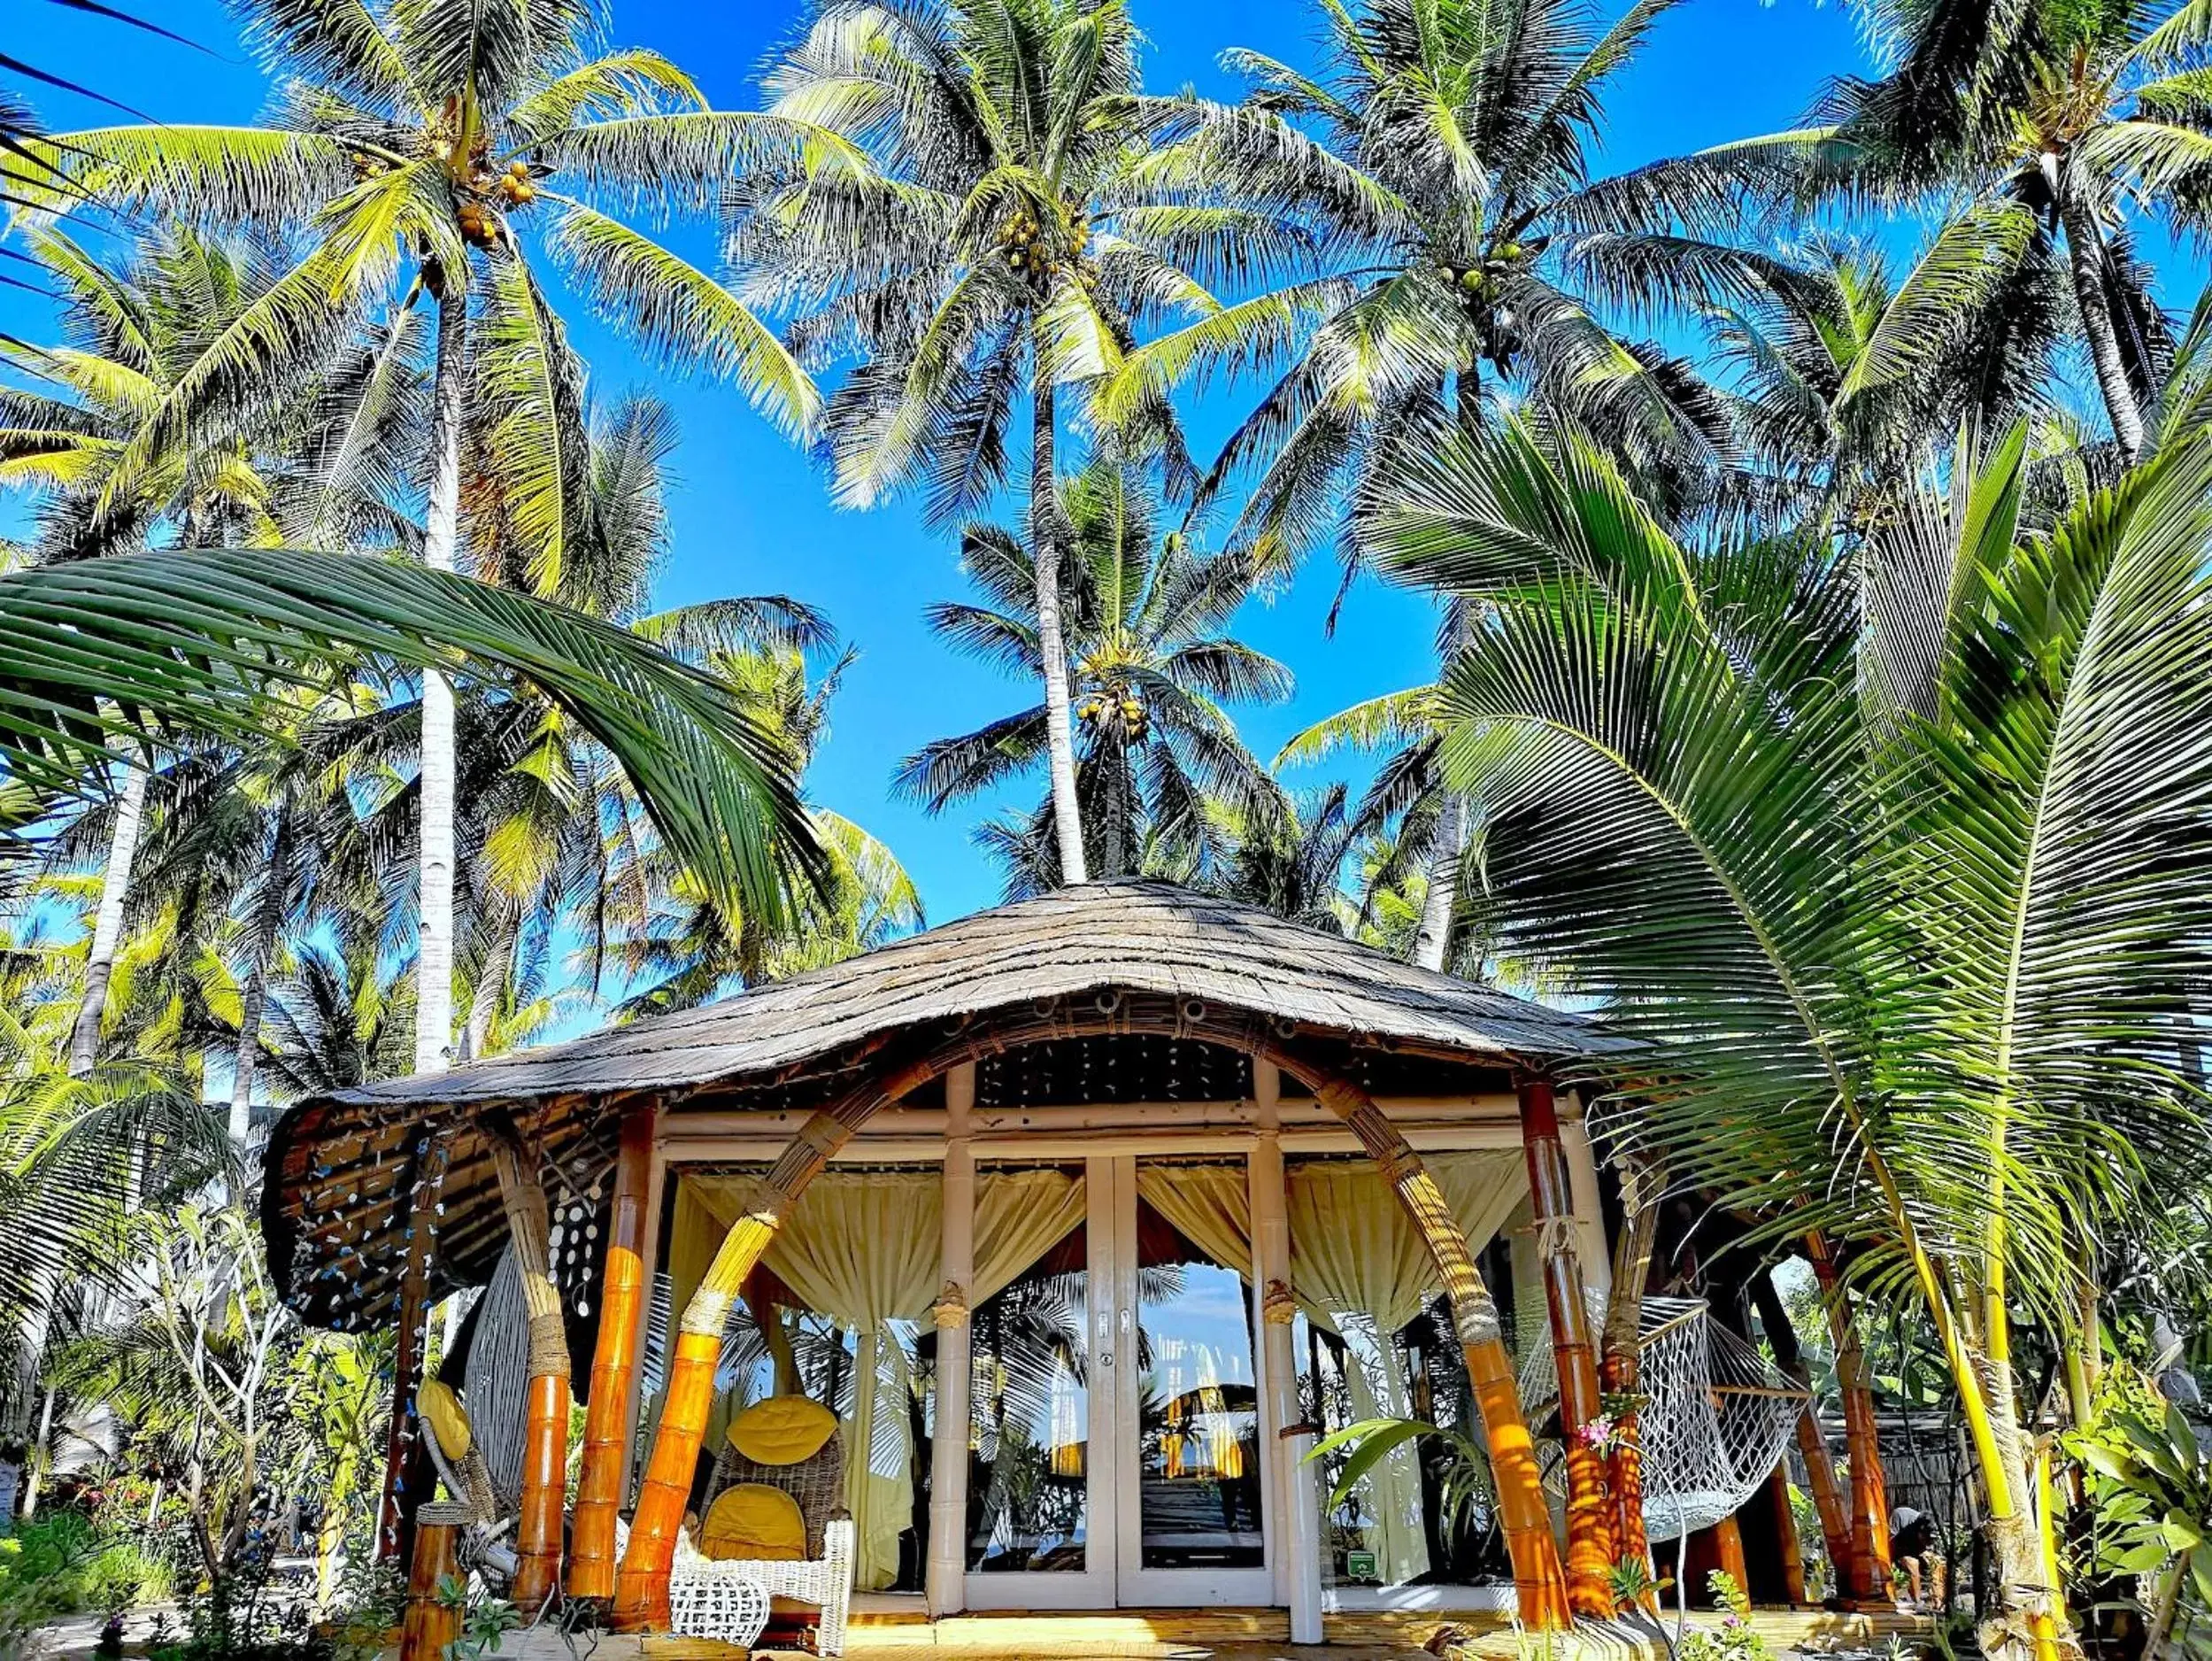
column 1102, row 957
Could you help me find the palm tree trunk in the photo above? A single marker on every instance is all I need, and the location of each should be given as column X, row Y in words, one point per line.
column 253, row 997
column 434, row 953
column 1432, row 939
column 107, row 922
column 2084, row 250
column 1060, row 733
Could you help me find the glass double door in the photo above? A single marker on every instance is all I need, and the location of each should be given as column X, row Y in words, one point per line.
column 1116, row 1449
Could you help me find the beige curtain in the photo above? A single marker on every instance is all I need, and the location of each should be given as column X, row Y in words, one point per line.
column 1357, row 1259
column 1210, row 1204
column 865, row 1248
column 1020, row 1216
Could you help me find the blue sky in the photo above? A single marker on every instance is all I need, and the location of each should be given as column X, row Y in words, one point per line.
column 751, row 515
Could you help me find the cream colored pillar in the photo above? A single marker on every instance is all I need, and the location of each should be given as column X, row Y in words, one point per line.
column 1582, row 1193
column 945, row 1580
column 1292, row 1490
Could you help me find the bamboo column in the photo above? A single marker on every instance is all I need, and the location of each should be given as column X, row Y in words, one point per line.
column 613, row 1364
column 546, row 1402
column 1620, row 1357
column 1590, row 1547
column 1540, row 1586
column 1285, row 1438
column 1588, row 1208
column 641, row 1590
column 394, row 1509
column 1812, row 1445
column 945, row 1582
column 1870, row 1492
column 431, row 1625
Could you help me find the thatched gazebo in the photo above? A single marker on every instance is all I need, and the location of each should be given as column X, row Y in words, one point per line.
column 1136, row 1108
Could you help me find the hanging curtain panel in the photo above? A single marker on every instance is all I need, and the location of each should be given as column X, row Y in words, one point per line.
column 864, row 1248
column 1363, row 1271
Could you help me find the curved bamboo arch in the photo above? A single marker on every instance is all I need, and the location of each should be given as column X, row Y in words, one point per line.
column 641, row 1602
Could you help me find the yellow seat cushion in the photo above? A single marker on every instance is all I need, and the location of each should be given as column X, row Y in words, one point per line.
column 442, row 1413
column 755, row 1522
column 782, row 1430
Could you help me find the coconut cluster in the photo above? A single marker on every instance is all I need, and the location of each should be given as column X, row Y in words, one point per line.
column 1041, row 252
column 1134, row 722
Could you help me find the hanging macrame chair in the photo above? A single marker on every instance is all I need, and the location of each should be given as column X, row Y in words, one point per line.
column 1716, row 1417
column 495, row 1383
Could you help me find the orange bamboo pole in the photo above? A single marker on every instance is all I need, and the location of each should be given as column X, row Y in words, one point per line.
column 1785, row 1534
column 430, row 1626
column 546, row 1401
column 1621, row 1360
column 1591, row 1545
column 613, row 1365
column 641, row 1588
column 1812, row 1445
column 1870, row 1577
column 1727, row 1550
column 1538, row 1580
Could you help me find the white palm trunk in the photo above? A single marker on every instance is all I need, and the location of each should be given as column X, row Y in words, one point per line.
column 254, row 995
column 434, row 956
column 1432, row 938
column 1052, row 642
column 2085, row 248
column 107, row 924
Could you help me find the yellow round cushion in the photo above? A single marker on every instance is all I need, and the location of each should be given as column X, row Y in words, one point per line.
column 754, row 1522
column 442, row 1413
column 782, row 1430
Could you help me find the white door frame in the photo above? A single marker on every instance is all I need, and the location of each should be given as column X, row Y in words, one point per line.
column 1114, row 1574
column 1136, row 1585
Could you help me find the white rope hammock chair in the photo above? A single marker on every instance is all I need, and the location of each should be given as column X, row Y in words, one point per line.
column 1717, row 1417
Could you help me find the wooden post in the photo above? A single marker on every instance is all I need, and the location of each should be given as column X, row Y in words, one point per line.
column 1284, row 1438
column 1812, row 1445
column 1785, row 1534
column 613, row 1364
column 396, row 1506
column 1621, row 1358
column 945, row 1581
column 430, row 1624
column 1590, row 1543
column 1728, row 1545
column 641, row 1589
column 1537, row 1582
column 1588, row 1208
column 546, row 1400
column 1870, row 1579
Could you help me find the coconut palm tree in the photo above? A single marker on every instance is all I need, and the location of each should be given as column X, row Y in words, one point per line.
column 462, row 147
column 1013, row 237
column 1149, row 670
column 1894, row 857
column 2072, row 115
column 1445, row 151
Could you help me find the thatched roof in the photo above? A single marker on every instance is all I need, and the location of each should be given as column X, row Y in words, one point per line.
column 338, row 1165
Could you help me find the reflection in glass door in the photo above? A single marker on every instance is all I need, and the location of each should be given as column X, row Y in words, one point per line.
column 1192, row 1525
column 1034, row 1484
column 1114, row 1427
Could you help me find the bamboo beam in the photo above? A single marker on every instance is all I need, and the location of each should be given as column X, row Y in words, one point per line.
column 641, row 1592
column 394, row 1511
column 1870, row 1579
column 1590, row 1549
column 613, row 1364
column 546, row 1402
column 1541, row 1586
column 1621, row 1359
column 1812, row 1444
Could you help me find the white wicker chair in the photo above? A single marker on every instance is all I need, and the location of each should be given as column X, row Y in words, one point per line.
column 826, row 1582
column 707, row 1599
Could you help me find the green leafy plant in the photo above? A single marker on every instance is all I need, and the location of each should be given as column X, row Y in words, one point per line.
column 1735, row 1639
column 484, row 1621
column 2149, row 1483
column 1465, row 1493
